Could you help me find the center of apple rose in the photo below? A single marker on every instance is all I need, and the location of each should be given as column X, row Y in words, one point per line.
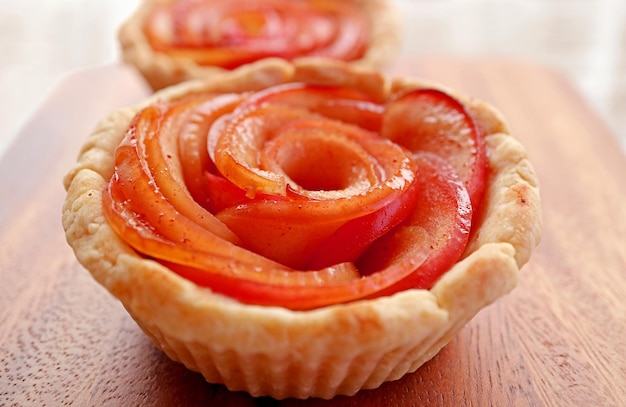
column 319, row 163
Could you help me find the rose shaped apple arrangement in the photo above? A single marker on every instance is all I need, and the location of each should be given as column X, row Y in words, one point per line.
column 301, row 195
column 229, row 34
column 303, row 229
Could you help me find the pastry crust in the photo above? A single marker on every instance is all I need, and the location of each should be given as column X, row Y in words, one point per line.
column 161, row 70
column 324, row 352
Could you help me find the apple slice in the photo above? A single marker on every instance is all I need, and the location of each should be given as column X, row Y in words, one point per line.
column 432, row 120
column 354, row 237
column 443, row 210
column 192, row 143
column 344, row 104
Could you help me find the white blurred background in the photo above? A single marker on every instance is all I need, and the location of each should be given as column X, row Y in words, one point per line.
column 43, row 40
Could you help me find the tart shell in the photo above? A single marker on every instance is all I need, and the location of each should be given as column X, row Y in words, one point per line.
column 339, row 349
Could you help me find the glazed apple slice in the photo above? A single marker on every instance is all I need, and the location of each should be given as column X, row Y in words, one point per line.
column 307, row 295
column 192, row 143
column 432, row 120
column 354, row 237
column 345, row 104
column 443, row 210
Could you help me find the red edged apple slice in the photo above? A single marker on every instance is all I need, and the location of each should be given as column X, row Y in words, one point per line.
column 344, row 104
column 350, row 241
column 443, row 210
column 192, row 143
column 431, row 120
column 234, row 142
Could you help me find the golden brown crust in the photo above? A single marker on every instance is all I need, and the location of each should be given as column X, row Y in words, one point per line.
column 323, row 352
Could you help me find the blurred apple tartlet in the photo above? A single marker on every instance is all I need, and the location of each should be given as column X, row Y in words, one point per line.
column 170, row 41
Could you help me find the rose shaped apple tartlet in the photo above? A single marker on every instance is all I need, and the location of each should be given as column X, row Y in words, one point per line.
column 303, row 229
column 171, row 41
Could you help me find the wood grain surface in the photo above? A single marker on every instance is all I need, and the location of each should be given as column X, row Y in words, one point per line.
column 557, row 340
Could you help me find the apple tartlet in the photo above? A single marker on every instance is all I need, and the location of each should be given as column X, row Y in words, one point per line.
column 303, row 229
column 170, row 41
